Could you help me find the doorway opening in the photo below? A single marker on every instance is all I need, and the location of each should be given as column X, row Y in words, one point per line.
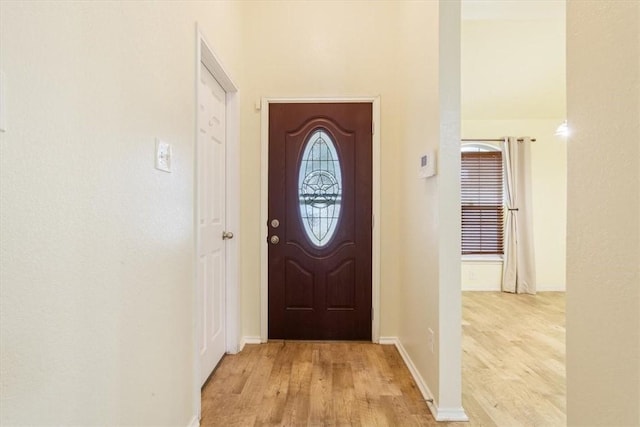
column 500, row 100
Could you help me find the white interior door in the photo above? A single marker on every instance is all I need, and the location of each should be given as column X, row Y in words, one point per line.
column 211, row 221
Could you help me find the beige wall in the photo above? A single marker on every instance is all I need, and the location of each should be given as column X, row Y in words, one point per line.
column 419, row 293
column 97, row 246
column 603, row 235
column 549, row 201
column 96, row 254
column 481, row 275
column 513, row 67
column 303, row 49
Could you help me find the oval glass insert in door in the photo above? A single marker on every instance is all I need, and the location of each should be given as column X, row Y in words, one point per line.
column 320, row 188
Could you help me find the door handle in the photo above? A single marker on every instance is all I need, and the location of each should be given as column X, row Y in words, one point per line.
column 227, row 235
column 274, row 240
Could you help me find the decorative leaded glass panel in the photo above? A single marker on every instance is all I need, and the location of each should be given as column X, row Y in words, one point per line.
column 320, row 188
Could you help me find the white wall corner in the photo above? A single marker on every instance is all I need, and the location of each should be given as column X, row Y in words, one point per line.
column 249, row 340
column 448, row 405
column 440, row 414
column 195, row 422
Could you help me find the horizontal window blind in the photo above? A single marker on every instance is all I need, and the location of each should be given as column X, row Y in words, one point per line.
column 482, row 203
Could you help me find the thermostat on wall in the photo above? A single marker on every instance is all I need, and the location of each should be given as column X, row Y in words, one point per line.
column 427, row 164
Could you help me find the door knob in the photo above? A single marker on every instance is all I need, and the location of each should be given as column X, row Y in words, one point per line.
column 227, row 235
column 275, row 240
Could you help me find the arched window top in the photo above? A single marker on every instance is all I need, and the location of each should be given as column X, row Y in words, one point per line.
column 478, row 147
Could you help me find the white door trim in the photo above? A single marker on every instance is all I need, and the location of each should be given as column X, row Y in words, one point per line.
column 206, row 55
column 264, row 211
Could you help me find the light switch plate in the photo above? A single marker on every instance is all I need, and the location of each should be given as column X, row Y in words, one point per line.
column 427, row 167
column 163, row 155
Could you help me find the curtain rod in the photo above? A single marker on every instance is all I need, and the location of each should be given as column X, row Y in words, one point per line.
column 492, row 140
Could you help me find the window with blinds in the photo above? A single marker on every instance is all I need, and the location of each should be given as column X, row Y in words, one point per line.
column 482, row 203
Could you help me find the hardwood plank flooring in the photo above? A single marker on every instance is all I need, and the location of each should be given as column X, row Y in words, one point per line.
column 293, row 383
column 513, row 375
column 513, row 359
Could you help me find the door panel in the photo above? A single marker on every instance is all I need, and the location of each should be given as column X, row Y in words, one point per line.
column 341, row 289
column 298, row 283
column 320, row 193
column 211, row 221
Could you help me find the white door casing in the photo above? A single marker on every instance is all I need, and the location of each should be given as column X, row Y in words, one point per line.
column 231, row 316
column 211, row 221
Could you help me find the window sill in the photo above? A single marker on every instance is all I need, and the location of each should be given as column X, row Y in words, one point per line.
column 482, row 258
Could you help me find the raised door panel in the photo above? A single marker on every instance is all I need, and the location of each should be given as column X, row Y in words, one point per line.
column 341, row 286
column 299, row 289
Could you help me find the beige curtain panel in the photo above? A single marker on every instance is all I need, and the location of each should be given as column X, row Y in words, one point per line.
column 518, row 267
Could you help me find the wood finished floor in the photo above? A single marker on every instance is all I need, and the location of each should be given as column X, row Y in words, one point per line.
column 513, row 359
column 513, row 375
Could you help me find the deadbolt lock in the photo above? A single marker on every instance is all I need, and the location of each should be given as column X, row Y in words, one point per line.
column 275, row 223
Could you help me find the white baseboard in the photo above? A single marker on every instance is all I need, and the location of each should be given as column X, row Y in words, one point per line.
column 388, row 341
column 493, row 288
column 545, row 287
column 480, row 288
column 195, row 422
column 451, row 414
column 440, row 414
column 422, row 385
column 249, row 340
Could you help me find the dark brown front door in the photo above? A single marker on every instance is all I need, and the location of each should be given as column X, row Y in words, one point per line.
column 320, row 201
